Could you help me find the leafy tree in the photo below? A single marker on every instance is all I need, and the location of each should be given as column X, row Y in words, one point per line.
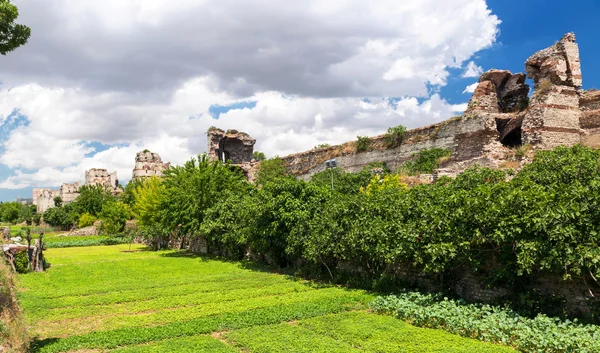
column 259, row 156
column 11, row 211
column 36, row 219
column 58, row 201
column 86, row 220
column 147, row 199
column 114, row 215
column 389, row 181
column 60, row 216
column 128, row 196
column 344, row 182
column 91, row 199
column 270, row 170
column 193, row 188
column 26, row 213
column 229, row 224
column 281, row 212
column 12, row 35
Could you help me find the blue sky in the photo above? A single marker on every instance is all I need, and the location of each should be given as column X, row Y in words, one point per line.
column 88, row 100
column 530, row 25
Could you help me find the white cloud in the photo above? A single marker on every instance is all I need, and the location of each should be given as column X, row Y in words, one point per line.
column 471, row 88
column 176, row 130
column 135, row 74
column 472, row 70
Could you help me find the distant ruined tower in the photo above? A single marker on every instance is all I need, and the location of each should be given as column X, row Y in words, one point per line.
column 148, row 164
column 100, row 176
column 235, row 147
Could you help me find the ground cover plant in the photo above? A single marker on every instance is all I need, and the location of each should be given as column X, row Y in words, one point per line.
column 109, row 298
column 492, row 323
column 61, row 241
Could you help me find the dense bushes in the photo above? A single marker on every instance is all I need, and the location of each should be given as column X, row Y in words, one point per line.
column 491, row 324
column 543, row 221
column 15, row 212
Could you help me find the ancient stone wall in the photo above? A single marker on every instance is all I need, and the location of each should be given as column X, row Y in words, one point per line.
column 500, row 117
column 148, row 164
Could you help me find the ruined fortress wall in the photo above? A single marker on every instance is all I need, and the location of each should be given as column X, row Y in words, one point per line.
column 467, row 137
column 500, row 116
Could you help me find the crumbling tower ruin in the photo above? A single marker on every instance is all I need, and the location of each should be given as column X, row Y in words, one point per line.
column 148, row 164
column 233, row 146
column 99, row 176
column 553, row 115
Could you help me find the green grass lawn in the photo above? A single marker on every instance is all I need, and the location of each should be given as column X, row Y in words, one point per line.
column 105, row 298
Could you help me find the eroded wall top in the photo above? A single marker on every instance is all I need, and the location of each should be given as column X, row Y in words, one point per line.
column 230, row 145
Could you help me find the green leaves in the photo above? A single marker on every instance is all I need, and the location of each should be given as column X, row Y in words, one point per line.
column 426, row 161
column 395, row 135
column 113, row 217
column 491, row 323
column 191, row 189
column 12, row 35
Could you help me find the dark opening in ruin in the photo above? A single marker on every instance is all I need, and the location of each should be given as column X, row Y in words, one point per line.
column 513, row 139
column 231, row 149
column 509, row 131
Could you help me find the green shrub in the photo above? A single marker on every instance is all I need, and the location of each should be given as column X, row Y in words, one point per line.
column 86, row 220
column 22, row 262
column 395, row 135
column 362, row 143
column 113, row 217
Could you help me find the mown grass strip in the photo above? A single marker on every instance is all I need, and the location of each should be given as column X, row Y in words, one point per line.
column 383, row 334
column 130, row 274
column 284, row 337
column 216, row 285
column 205, row 344
column 76, row 326
column 228, row 321
column 169, row 302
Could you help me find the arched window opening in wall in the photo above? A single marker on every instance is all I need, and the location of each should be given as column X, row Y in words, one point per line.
column 509, row 130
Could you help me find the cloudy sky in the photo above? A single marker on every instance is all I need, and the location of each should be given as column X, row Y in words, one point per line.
column 100, row 80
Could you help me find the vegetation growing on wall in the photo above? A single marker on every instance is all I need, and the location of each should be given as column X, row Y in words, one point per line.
column 426, row 161
column 395, row 135
column 363, row 143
